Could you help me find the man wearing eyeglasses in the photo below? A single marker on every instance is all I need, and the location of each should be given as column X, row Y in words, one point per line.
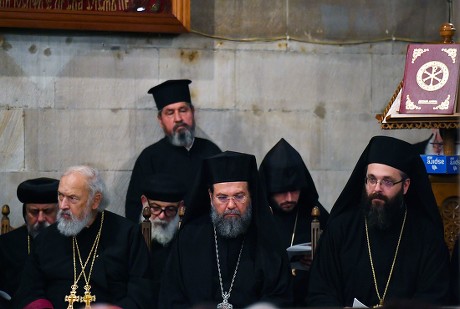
column 227, row 252
column 179, row 153
column 384, row 240
column 164, row 195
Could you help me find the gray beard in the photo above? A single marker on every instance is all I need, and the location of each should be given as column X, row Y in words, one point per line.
column 231, row 227
column 163, row 232
column 73, row 226
column 184, row 138
column 35, row 229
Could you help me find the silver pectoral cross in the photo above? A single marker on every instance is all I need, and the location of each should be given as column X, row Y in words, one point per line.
column 225, row 304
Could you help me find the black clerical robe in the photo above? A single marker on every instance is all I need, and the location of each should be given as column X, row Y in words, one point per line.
column 13, row 255
column 159, row 254
column 286, row 221
column 341, row 270
column 191, row 276
column 121, row 274
column 165, row 157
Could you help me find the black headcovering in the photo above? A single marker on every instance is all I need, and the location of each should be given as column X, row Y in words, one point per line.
column 163, row 187
column 402, row 156
column 229, row 167
column 393, row 152
column 283, row 170
column 171, row 91
column 38, row 191
column 232, row 166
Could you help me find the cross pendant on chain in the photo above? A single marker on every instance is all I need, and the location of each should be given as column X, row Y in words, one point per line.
column 72, row 297
column 87, row 298
column 225, row 304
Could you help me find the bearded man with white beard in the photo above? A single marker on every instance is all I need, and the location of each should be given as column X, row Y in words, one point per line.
column 164, row 195
column 39, row 208
column 384, row 239
column 89, row 256
column 227, row 252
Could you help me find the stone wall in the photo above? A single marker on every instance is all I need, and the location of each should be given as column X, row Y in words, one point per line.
column 74, row 98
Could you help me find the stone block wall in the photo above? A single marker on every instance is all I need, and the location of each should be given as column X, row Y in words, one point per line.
column 81, row 98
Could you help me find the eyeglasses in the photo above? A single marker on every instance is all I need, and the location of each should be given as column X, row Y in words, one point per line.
column 385, row 183
column 237, row 199
column 170, row 211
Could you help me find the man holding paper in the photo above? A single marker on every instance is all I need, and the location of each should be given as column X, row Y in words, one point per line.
column 292, row 194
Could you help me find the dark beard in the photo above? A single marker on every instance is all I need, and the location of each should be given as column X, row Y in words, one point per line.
column 277, row 207
column 383, row 216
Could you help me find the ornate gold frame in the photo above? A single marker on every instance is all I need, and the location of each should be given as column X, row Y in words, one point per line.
column 178, row 21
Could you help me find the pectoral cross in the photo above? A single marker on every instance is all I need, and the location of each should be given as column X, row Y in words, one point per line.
column 225, row 304
column 87, row 298
column 72, row 297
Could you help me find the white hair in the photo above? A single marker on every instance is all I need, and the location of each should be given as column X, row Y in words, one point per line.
column 95, row 183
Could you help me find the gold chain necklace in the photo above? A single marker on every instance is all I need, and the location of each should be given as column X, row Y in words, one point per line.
column 87, row 298
column 381, row 299
column 293, row 235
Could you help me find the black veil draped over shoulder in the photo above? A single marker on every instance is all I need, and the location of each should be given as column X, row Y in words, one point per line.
column 263, row 272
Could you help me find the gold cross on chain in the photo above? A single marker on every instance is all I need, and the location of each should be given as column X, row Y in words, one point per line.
column 72, row 297
column 87, row 298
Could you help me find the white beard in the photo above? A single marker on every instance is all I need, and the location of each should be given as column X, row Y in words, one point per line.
column 73, row 226
column 163, row 232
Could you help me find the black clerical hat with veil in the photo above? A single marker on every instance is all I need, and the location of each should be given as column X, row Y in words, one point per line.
column 402, row 156
column 171, row 91
column 232, row 166
column 283, row 170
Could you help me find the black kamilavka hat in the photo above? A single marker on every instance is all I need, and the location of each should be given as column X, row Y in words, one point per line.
column 171, row 91
column 163, row 187
column 229, row 167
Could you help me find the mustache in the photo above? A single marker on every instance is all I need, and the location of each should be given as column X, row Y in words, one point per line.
column 378, row 196
column 62, row 213
column 232, row 212
column 288, row 204
column 182, row 124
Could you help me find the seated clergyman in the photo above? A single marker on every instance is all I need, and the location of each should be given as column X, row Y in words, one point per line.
column 227, row 252
column 39, row 209
column 164, row 195
column 384, row 240
column 90, row 255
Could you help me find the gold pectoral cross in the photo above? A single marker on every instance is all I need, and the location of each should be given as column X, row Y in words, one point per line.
column 72, row 297
column 379, row 305
column 87, row 298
